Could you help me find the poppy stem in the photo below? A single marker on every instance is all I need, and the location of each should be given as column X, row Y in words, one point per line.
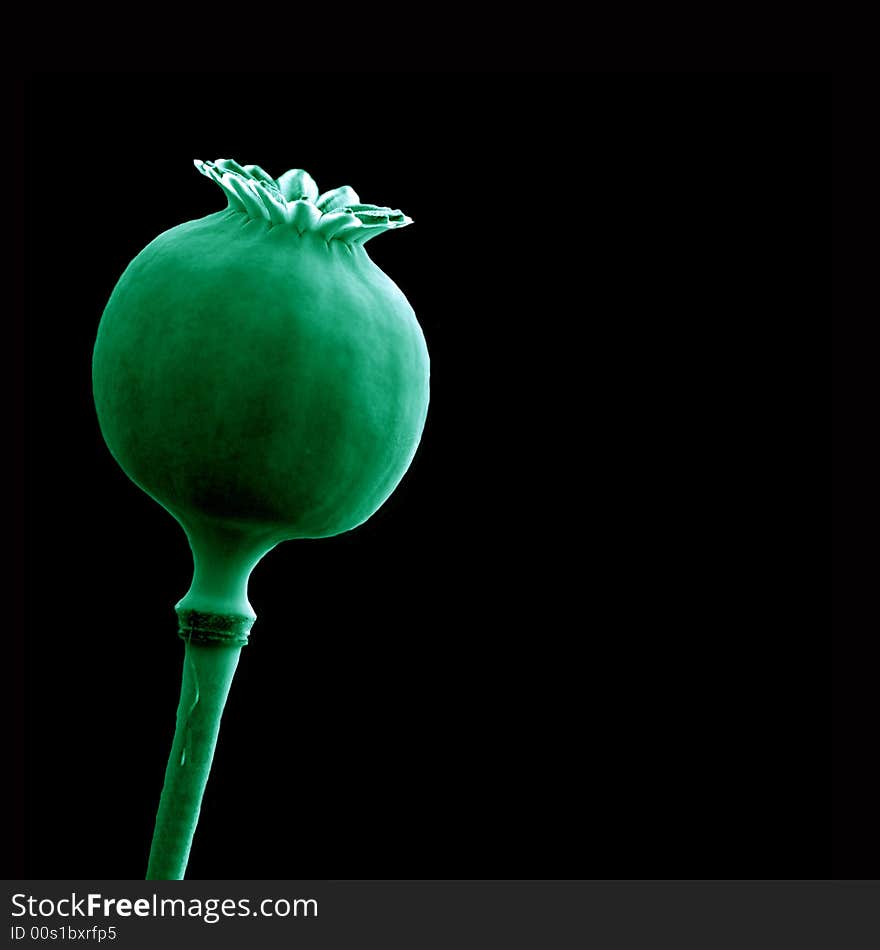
column 208, row 668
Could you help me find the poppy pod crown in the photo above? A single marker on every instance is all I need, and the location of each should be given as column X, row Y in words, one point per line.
column 294, row 200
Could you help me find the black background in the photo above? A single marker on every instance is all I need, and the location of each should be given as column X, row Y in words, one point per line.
column 562, row 648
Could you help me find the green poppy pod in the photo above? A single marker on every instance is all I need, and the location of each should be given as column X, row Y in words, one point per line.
column 258, row 375
column 263, row 380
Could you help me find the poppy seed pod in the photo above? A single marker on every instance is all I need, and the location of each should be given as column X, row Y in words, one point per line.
column 263, row 380
column 258, row 375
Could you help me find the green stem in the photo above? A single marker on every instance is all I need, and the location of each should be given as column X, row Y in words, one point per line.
column 209, row 664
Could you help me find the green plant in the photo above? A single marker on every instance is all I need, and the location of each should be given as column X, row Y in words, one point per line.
column 263, row 380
